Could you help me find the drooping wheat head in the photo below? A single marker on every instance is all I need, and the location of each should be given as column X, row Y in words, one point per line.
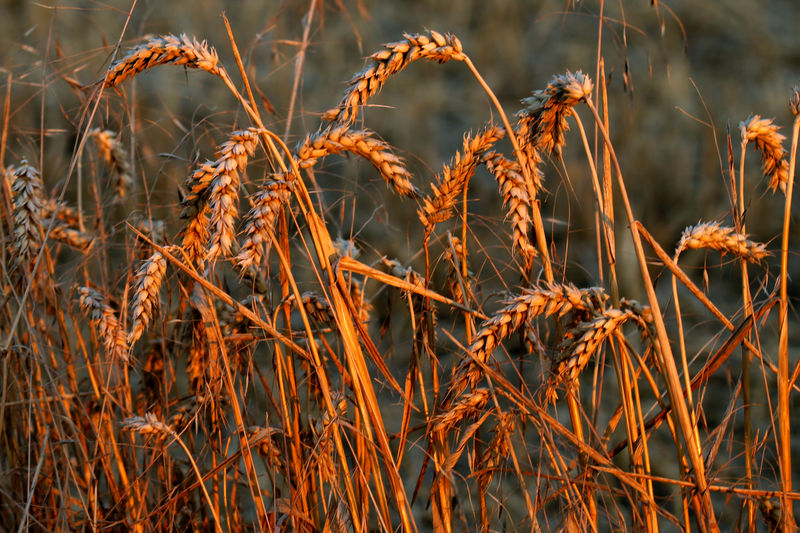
column 211, row 200
column 497, row 450
column 516, row 199
column 340, row 138
column 260, row 221
column 449, row 185
column 166, row 49
column 543, row 121
column 149, row 424
column 774, row 160
column 145, row 300
column 722, row 238
column 387, row 62
column 585, row 340
column 466, row 405
column 103, row 317
column 27, row 193
column 116, row 157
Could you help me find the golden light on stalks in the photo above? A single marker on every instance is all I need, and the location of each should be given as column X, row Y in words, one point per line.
column 117, row 158
column 543, row 121
column 167, row 49
column 337, row 139
column 449, row 185
column 385, row 63
column 145, row 300
column 769, row 142
column 722, row 238
column 103, row 317
column 27, row 194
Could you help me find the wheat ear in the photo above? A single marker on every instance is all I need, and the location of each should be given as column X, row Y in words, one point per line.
column 338, row 138
column 543, row 121
column 260, row 222
column 547, row 300
column 387, row 62
column 449, row 185
column 212, row 197
column 465, row 406
column 26, row 191
column 722, row 238
column 769, row 142
column 590, row 336
column 166, row 49
column 516, row 199
column 103, row 317
column 116, row 157
column 145, row 298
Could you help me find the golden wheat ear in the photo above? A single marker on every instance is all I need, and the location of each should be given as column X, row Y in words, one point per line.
column 544, row 118
column 163, row 50
column 387, row 62
column 769, row 143
column 721, row 238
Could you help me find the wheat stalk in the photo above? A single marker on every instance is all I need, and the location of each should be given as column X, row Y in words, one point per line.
column 340, row 138
column 145, row 298
column 260, row 222
column 769, row 142
column 543, row 121
column 387, row 62
column 449, row 185
column 103, row 317
column 722, row 238
column 116, row 157
column 166, row 49
column 151, row 425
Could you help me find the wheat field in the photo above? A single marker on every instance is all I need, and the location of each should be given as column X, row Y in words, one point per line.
column 343, row 266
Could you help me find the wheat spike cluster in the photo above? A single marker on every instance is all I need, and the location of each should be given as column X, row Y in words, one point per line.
column 225, row 308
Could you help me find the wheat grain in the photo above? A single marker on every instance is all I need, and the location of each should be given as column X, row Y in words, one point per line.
column 148, row 424
column 103, row 317
column 338, row 138
column 116, row 157
column 166, row 49
column 260, row 222
column 387, row 62
column 722, row 238
column 543, row 121
column 145, row 298
column 769, row 142
column 449, row 185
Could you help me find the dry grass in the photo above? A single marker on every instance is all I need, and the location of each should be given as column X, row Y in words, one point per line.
column 328, row 361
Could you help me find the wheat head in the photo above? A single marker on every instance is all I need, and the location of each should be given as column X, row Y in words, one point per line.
column 769, row 142
column 166, row 49
column 387, row 62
